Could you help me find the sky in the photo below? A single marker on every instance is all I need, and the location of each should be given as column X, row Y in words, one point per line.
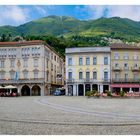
column 19, row 14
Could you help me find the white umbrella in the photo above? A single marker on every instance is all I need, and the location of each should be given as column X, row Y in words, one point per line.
column 9, row 87
column 1, row 87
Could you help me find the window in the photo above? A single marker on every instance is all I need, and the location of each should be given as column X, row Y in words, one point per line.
column 52, row 56
column 51, row 66
column 2, row 75
column 135, row 76
column 12, row 75
column 126, row 76
column 35, row 74
column 87, row 75
column 25, row 63
column 87, row 61
column 105, row 76
column 116, row 55
column 94, row 60
column 105, row 60
column 70, row 76
column 126, row 66
column 25, row 73
column 135, row 57
column 47, row 63
column 117, row 76
column 35, row 62
column 12, row 63
column 80, row 61
column 55, row 57
column 135, row 65
column 70, row 61
column 116, row 65
column 80, row 75
column 2, row 64
column 95, row 75
column 126, row 56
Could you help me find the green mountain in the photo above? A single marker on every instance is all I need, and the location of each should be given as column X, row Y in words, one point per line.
column 115, row 27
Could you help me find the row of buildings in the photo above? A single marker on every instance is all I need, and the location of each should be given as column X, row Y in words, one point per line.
column 32, row 66
column 113, row 68
column 35, row 68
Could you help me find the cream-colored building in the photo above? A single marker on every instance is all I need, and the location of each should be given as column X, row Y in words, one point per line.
column 125, row 68
column 33, row 66
column 87, row 69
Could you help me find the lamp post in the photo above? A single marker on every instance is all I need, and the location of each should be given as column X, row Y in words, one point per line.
column 17, row 75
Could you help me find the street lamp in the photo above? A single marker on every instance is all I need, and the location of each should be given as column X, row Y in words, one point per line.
column 17, row 74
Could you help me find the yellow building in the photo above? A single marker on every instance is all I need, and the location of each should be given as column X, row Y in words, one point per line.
column 30, row 66
column 87, row 69
column 125, row 68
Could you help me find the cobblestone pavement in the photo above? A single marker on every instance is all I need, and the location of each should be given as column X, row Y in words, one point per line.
column 65, row 115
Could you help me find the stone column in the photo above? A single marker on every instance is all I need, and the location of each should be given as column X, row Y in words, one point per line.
column 98, row 88
column 84, row 90
column 109, row 88
column 74, row 90
column 90, row 87
column 101, row 88
column 30, row 91
column 77, row 90
column 42, row 90
column 121, row 88
column 66, row 89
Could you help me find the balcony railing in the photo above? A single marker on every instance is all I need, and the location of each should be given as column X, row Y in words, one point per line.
column 116, row 68
column 135, row 68
column 25, row 81
column 126, row 68
column 87, row 80
column 125, row 80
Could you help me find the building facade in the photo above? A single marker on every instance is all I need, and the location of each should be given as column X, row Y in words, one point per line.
column 30, row 66
column 125, row 68
column 87, row 69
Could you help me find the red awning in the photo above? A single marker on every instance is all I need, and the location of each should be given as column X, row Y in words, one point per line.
column 125, row 85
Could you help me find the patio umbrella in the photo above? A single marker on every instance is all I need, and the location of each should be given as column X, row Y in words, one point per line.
column 1, row 87
column 10, row 87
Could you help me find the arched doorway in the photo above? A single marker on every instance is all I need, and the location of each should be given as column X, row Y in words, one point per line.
column 87, row 87
column 25, row 91
column 36, row 91
column 81, row 90
column 95, row 87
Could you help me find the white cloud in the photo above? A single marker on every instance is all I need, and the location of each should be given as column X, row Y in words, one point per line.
column 41, row 10
column 13, row 14
column 131, row 12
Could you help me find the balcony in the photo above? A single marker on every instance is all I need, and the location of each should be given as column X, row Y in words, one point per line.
column 70, row 81
column 126, row 68
column 125, row 80
column 22, row 81
column 116, row 68
column 134, row 68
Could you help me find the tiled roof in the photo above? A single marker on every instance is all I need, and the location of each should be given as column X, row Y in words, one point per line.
column 20, row 43
column 123, row 46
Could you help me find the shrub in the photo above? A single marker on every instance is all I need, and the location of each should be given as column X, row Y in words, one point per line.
column 88, row 93
column 109, row 93
column 122, row 93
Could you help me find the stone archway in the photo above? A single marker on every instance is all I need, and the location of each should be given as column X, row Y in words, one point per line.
column 25, row 90
column 36, row 90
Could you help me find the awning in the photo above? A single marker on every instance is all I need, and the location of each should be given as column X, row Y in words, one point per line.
column 125, row 85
